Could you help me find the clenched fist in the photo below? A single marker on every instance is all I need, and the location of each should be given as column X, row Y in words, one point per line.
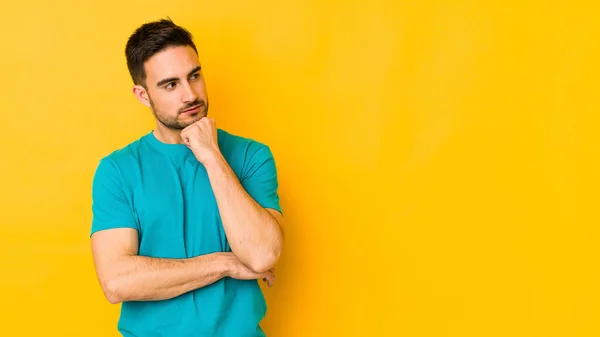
column 201, row 138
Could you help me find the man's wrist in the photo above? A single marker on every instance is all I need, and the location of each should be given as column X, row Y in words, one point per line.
column 225, row 264
column 218, row 263
column 214, row 158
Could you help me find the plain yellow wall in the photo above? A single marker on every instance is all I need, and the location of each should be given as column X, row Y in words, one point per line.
column 438, row 160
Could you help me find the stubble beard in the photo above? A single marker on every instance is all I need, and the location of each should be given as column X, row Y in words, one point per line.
column 174, row 123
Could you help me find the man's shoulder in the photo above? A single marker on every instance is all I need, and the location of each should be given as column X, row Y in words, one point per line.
column 243, row 153
column 239, row 144
column 123, row 156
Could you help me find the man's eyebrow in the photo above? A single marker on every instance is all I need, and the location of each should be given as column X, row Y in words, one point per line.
column 171, row 79
column 166, row 80
column 195, row 70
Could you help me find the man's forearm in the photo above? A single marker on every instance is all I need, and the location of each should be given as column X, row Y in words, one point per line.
column 141, row 278
column 253, row 233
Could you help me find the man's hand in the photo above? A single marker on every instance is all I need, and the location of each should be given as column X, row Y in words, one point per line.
column 201, row 138
column 237, row 270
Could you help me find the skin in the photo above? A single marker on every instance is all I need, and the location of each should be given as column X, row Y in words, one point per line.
column 174, row 84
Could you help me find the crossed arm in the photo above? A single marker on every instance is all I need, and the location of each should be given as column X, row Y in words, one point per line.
column 254, row 233
column 126, row 276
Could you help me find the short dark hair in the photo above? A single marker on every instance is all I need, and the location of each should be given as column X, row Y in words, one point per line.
column 151, row 38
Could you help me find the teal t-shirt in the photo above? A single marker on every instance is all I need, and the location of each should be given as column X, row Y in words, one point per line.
column 163, row 192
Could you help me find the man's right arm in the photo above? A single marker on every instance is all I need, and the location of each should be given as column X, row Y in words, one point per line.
column 126, row 276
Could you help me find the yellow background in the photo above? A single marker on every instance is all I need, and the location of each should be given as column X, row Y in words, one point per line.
column 438, row 160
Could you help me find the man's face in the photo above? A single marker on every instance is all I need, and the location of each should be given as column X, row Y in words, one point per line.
column 175, row 87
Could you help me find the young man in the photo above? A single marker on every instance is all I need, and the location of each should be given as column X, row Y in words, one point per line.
column 186, row 219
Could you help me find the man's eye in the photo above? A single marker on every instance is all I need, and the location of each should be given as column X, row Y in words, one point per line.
column 195, row 76
column 170, row 85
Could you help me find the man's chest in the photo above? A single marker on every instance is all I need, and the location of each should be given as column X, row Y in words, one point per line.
column 177, row 213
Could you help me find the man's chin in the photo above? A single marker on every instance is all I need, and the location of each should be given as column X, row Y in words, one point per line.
column 189, row 120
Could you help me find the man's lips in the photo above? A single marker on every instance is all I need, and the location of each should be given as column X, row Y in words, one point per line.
column 193, row 110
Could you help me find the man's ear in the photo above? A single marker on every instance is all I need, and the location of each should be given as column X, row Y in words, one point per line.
column 141, row 94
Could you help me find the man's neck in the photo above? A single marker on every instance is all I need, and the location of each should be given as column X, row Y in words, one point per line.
column 167, row 136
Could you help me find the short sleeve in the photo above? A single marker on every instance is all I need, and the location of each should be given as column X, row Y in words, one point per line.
column 110, row 205
column 260, row 178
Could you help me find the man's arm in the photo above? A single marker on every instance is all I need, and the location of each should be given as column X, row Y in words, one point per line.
column 254, row 233
column 126, row 276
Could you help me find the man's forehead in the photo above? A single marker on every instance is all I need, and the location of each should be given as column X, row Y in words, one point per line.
column 171, row 62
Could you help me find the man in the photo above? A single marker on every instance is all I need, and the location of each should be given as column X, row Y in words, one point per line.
column 186, row 219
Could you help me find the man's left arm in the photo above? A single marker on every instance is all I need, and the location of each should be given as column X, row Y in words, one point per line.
column 253, row 227
column 254, row 232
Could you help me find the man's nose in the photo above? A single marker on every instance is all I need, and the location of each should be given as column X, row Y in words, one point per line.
column 189, row 94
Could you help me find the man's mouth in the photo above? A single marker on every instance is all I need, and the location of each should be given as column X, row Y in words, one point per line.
column 193, row 110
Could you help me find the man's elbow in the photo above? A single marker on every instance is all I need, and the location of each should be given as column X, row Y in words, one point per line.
column 113, row 291
column 267, row 255
column 264, row 262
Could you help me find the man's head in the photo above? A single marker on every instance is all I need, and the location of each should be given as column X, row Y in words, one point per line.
column 163, row 62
